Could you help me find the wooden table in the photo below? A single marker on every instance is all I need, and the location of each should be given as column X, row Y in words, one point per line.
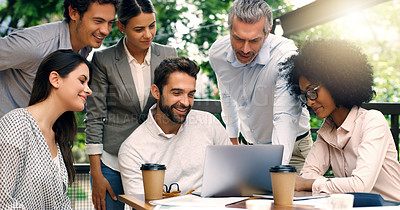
column 138, row 202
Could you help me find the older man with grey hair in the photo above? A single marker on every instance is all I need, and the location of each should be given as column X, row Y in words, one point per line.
column 254, row 95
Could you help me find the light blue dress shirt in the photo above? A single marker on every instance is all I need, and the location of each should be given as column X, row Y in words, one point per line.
column 255, row 99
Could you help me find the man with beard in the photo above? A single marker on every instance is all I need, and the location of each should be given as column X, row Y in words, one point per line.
column 86, row 25
column 254, row 97
column 173, row 134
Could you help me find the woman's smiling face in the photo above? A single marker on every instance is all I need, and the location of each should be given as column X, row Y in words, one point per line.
column 74, row 89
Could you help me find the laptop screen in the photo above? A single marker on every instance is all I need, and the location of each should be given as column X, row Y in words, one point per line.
column 239, row 170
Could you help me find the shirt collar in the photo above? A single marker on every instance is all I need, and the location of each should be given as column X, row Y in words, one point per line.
column 350, row 119
column 148, row 57
column 328, row 130
column 133, row 59
column 261, row 58
column 65, row 36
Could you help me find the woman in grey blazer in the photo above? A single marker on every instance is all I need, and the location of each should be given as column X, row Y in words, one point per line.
column 121, row 98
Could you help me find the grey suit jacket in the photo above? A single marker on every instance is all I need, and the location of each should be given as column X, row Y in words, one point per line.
column 113, row 110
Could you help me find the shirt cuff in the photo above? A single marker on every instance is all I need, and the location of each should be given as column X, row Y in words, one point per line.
column 232, row 132
column 319, row 185
column 286, row 160
column 94, row 149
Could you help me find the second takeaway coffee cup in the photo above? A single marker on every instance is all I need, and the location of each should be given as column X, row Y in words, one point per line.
column 283, row 178
column 153, row 180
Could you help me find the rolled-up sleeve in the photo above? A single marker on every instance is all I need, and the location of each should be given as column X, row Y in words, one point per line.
column 96, row 108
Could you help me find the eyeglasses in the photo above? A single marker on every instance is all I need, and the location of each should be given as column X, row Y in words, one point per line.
column 311, row 94
column 168, row 189
column 169, row 192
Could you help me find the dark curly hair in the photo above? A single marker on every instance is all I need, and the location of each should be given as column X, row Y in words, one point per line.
column 338, row 65
column 82, row 6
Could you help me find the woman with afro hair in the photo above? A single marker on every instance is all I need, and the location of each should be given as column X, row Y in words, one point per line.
column 334, row 78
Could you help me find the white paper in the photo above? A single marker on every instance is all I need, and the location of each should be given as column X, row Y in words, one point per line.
column 196, row 201
column 320, row 203
column 294, row 198
column 325, row 203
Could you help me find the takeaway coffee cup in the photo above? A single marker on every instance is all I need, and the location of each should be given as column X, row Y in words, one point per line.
column 283, row 178
column 153, row 180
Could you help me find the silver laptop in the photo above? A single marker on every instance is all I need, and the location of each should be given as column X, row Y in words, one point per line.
column 239, row 170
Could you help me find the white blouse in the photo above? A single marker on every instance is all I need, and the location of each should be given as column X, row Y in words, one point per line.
column 29, row 179
column 56, row 160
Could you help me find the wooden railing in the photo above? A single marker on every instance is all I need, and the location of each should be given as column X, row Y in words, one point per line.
column 389, row 109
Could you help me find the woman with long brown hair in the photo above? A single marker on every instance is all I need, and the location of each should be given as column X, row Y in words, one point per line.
column 36, row 162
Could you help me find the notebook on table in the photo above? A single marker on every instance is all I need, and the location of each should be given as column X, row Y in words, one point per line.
column 239, row 170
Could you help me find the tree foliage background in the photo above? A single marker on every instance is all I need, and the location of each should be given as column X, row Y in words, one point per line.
column 376, row 31
column 193, row 25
